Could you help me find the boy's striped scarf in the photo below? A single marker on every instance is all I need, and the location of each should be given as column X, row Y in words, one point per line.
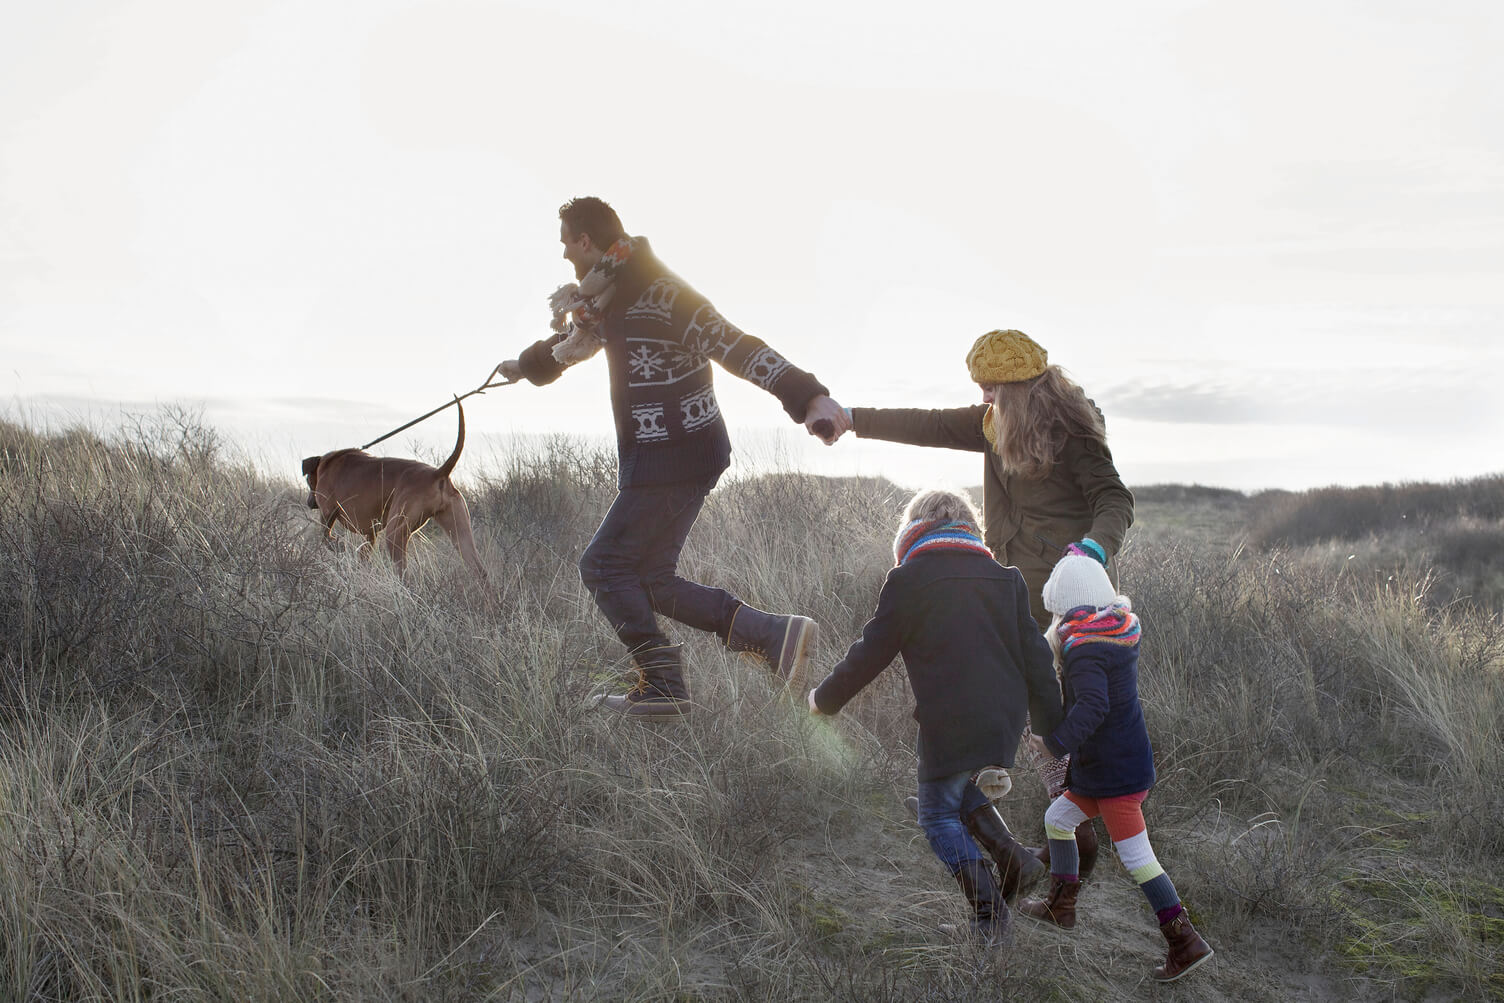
column 1115, row 624
column 922, row 536
column 587, row 303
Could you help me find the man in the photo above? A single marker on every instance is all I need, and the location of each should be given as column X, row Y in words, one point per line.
column 660, row 337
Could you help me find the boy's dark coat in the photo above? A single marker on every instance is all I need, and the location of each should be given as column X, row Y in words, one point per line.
column 975, row 657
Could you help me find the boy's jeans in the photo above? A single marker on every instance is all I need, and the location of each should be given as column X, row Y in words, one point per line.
column 944, row 804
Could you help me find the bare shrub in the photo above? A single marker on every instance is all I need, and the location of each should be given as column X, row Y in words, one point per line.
column 1351, row 513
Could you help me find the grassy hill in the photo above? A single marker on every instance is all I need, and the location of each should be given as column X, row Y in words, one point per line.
column 238, row 765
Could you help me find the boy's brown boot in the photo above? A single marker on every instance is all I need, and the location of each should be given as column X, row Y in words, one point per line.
column 989, row 911
column 784, row 642
column 1017, row 869
column 1187, row 949
column 660, row 693
column 1058, row 907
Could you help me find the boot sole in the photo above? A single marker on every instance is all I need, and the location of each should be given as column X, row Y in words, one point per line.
column 642, row 712
column 682, row 715
column 1188, row 969
column 1051, row 924
column 801, row 635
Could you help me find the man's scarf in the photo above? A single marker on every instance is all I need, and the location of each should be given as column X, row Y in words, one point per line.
column 587, row 302
column 1116, row 624
column 924, row 535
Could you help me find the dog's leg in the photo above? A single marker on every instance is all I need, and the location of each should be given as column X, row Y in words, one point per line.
column 456, row 522
column 396, row 533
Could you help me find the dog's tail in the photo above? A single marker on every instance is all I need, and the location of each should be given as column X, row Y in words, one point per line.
column 459, row 444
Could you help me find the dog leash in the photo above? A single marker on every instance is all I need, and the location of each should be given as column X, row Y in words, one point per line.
column 488, row 385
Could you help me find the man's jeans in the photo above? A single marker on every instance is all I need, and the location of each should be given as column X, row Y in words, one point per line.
column 631, row 565
column 944, row 804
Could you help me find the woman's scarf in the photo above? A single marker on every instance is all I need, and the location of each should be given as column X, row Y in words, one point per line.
column 1116, row 624
column 587, row 301
column 924, row 535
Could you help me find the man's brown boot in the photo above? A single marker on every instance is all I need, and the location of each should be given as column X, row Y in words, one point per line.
column 784, row 642
column 660, row 693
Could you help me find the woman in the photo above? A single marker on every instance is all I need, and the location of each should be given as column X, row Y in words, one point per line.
column 1048, row 479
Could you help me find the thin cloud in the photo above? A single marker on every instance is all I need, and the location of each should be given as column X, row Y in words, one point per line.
column 1438, row 405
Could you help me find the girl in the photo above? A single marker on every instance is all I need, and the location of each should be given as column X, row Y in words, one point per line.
column 976, row 663
column 1096, row 634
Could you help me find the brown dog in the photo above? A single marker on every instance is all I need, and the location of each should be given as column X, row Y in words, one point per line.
column 369, row 494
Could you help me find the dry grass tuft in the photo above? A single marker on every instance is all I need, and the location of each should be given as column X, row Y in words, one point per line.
column 237, row 764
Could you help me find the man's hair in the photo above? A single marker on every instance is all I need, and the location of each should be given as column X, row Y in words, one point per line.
column 937, row 503
column 588, row 214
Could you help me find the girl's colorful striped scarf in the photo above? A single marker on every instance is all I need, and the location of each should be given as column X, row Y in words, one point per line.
column 1115, row 624
column 587, row 303
column 922, row 536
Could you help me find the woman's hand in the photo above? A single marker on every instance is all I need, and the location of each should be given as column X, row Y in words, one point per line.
column 814, row 708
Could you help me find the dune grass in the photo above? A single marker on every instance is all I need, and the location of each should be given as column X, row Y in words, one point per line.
column 238, row 765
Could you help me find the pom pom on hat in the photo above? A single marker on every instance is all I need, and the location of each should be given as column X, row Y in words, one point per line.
column 1087, row 547
column 1005, row 357
column 1078, row 581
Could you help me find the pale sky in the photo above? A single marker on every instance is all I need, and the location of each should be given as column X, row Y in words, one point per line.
column 1268, row 238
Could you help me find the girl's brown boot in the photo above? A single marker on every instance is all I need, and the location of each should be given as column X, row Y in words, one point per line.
column 1187, row 949
column 1058, row 907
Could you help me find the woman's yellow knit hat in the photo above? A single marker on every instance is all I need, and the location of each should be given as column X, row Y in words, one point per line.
column 1005, row 357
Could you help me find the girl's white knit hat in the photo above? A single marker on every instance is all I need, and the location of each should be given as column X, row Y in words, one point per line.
column 1078, row 581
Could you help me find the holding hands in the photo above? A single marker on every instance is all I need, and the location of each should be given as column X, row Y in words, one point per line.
column 1051, row 770
column 826, row 419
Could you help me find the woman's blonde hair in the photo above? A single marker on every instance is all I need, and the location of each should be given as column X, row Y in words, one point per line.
column 939, row 504
column 1033, row 418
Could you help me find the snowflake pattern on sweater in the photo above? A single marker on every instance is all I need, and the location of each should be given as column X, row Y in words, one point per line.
column 660, row 337
column 662, row 362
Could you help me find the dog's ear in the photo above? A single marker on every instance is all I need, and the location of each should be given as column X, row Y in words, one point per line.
column 311, row 475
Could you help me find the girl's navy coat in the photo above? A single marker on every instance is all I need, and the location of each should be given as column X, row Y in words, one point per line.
column 1104, row 729
column 975, row 657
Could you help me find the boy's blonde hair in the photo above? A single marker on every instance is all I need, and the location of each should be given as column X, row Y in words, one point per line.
column 939, row 504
